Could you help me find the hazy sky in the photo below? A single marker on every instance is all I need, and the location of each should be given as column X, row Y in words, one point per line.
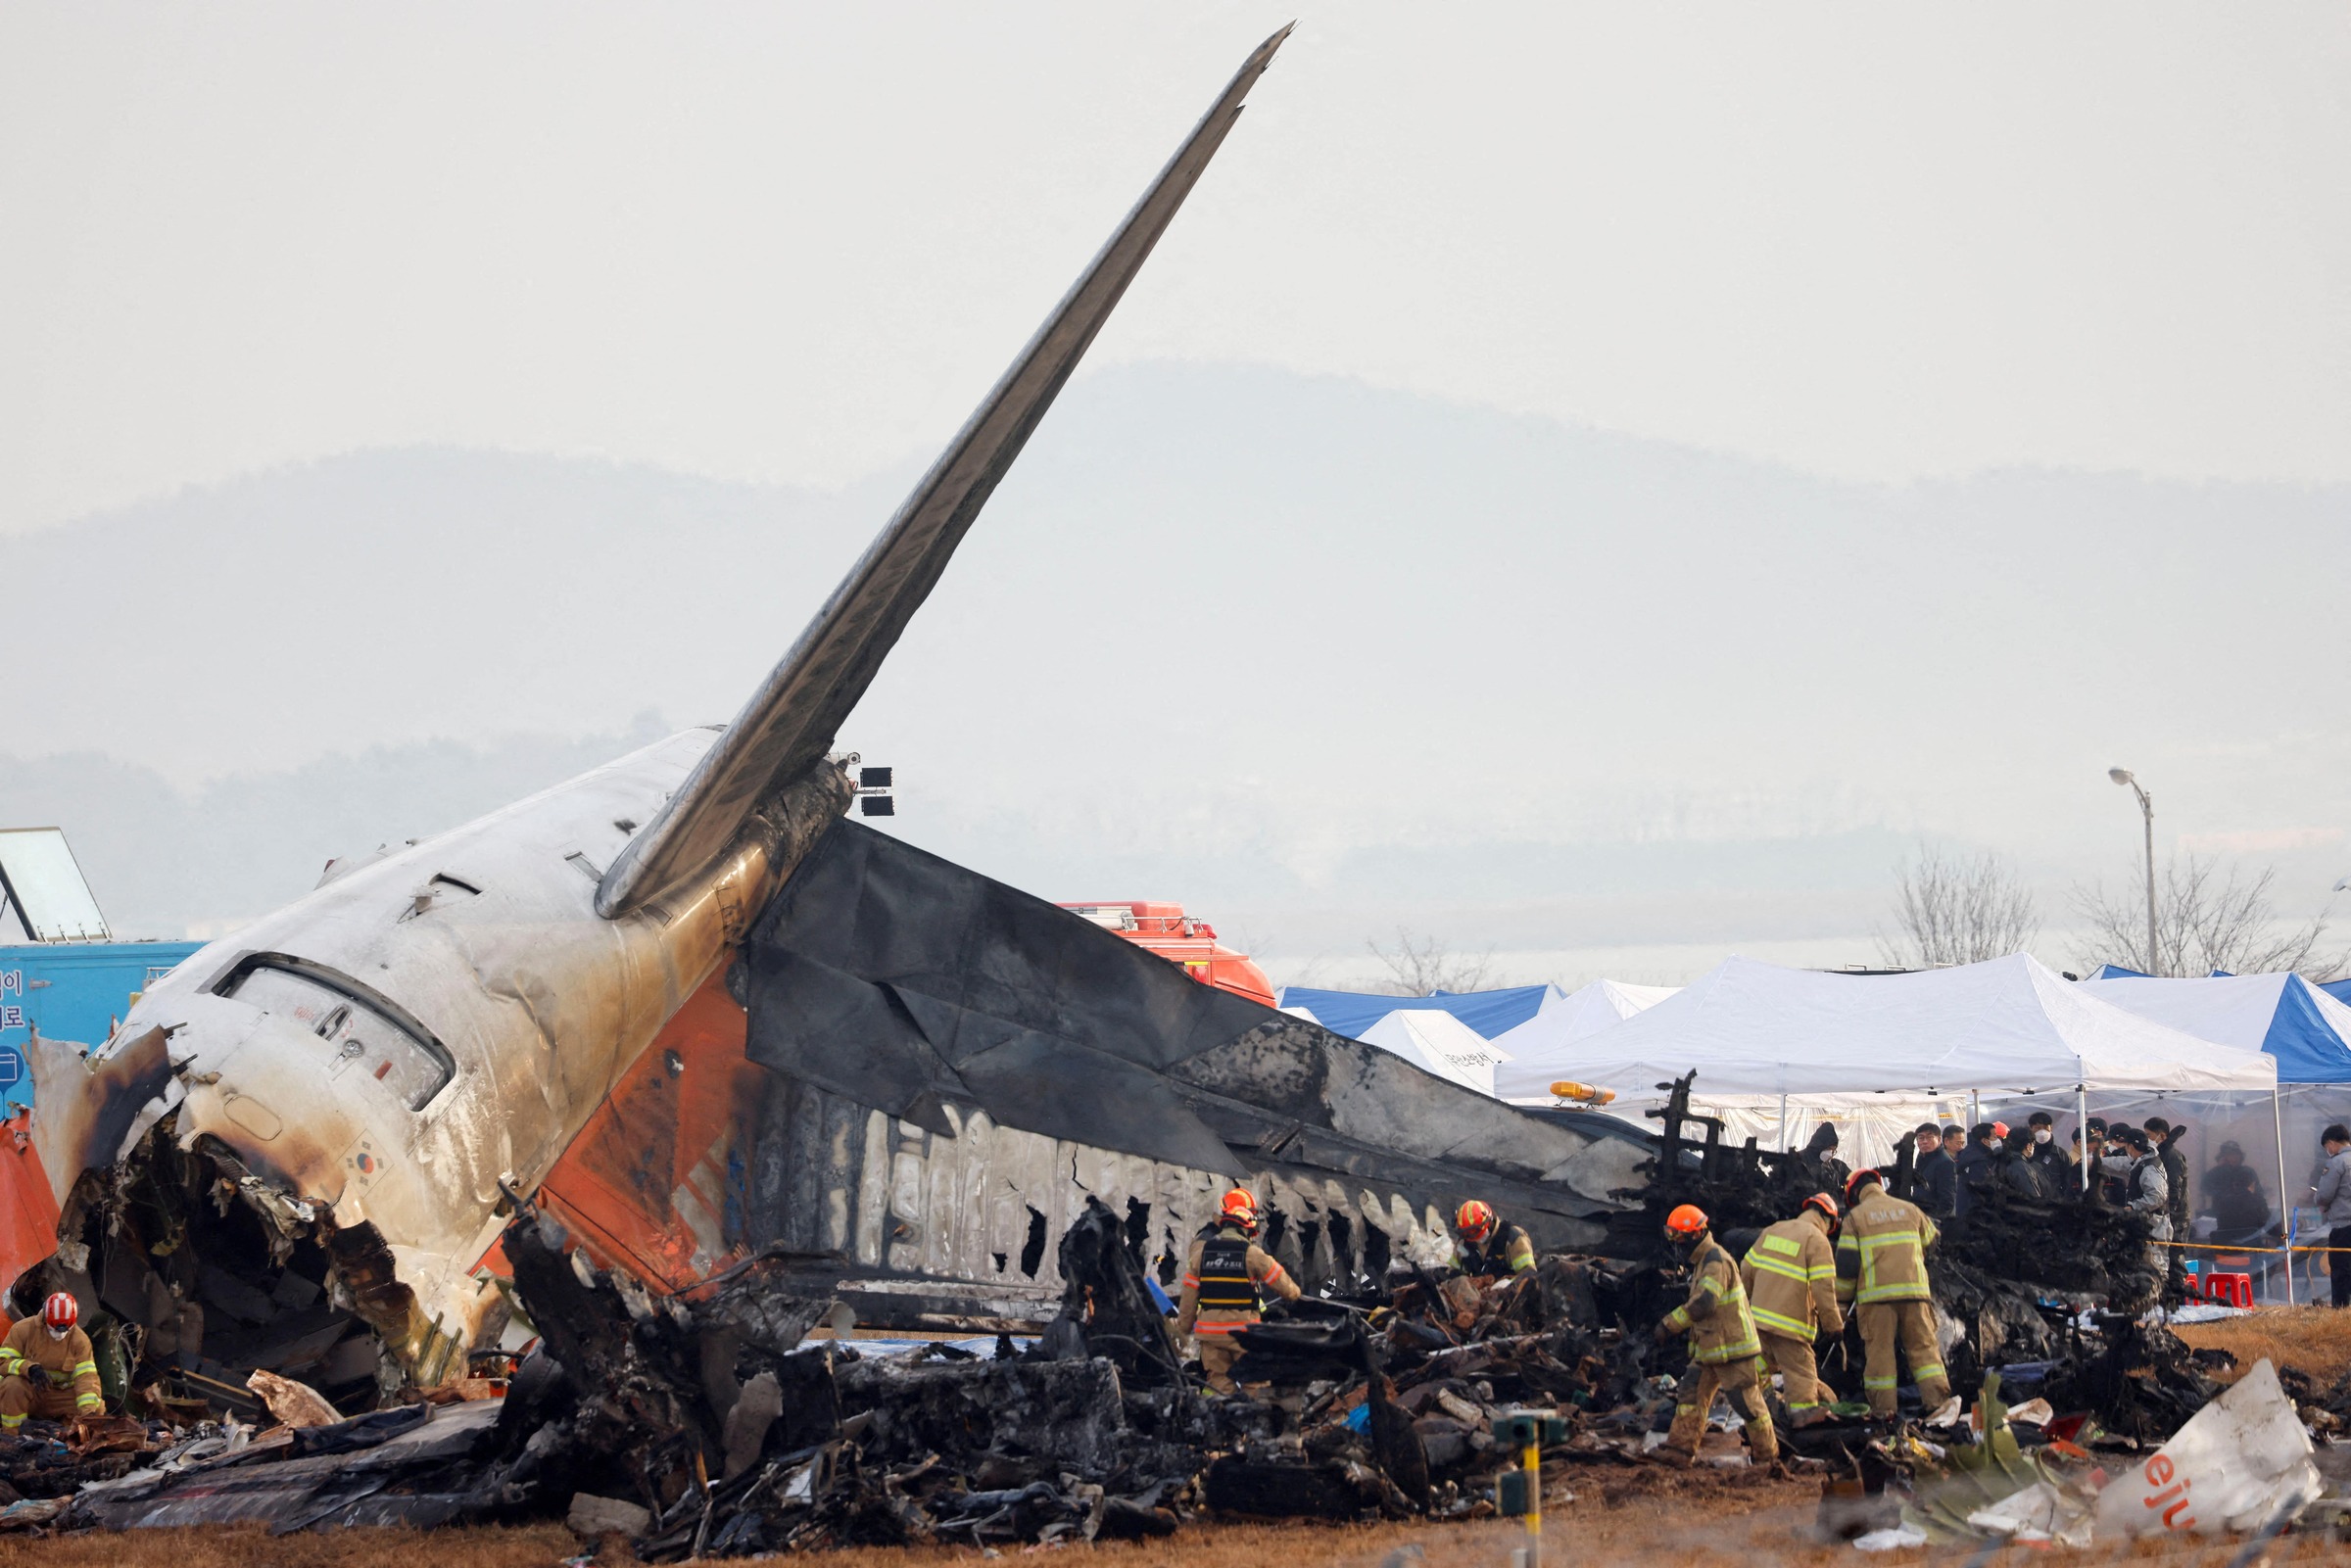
column 1754, row 436
column 792, row 244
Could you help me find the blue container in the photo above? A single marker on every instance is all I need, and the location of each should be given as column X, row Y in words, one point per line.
column 69, row 991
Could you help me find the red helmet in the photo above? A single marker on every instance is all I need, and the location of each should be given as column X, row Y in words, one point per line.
column 1827, row 1206
column 1864, row 1178
column 1474, row 1220
column 1687, row 1220
column 1240, row 1208
column 61, row 1310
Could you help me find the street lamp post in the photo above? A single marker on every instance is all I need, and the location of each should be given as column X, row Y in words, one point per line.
column 2146, row 809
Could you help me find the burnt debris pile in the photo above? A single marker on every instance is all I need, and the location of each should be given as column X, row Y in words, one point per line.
column 710, row 1423
column 206, row 1273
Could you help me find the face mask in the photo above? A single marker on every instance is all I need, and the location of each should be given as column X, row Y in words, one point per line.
column 1994, row 1145
column 58, row 1333
column 2040, row 1135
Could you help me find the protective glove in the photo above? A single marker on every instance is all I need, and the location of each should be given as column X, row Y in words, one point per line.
column 37, row 1375
column 1664, row 1331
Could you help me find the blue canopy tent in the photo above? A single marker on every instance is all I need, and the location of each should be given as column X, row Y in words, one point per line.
column 1489, row 1013
column 2306, row 1030
column 2340, row 990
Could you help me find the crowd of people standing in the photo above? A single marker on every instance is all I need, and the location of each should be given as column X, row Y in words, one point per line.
column 2143, row 1167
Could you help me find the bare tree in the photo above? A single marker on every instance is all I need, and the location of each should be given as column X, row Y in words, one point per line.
column 1424, row 966
column 2203, row 922
column 1958, row 909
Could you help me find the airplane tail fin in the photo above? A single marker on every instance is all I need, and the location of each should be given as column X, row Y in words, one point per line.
column 791, row 722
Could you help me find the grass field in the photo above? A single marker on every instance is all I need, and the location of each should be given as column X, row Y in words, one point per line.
column 2315, row 1340
column 1613, row 1516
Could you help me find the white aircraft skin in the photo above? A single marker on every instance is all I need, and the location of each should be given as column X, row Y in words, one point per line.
column 541, row 1003
column 543, row 947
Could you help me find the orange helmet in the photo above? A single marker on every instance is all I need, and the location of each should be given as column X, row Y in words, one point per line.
column 1827, row 1206
column 1241, row 1208
column 61, row 1312
column 1686, row 1221
column 1474, row 1220
column 1863, row 1178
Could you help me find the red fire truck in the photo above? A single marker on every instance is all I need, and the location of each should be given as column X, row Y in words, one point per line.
column 1166, row 930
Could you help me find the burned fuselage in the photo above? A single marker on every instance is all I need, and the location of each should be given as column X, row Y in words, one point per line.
column 373, row 1067
column 326, row 1113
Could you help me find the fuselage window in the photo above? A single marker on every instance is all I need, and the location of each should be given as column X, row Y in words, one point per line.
column 361, row 1036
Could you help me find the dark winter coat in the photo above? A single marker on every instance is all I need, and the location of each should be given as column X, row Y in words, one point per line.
column 1936, row 1190
column 1975, row 1175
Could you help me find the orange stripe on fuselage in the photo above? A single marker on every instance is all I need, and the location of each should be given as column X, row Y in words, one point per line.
column 615, row 1186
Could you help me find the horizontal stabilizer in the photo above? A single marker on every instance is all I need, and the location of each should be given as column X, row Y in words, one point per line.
column 791, row 721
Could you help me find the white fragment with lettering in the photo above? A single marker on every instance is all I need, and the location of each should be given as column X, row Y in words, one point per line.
column 2240, row 1465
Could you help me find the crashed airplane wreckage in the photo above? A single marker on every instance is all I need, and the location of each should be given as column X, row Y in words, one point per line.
column 683, row 1006
column 672, row 1062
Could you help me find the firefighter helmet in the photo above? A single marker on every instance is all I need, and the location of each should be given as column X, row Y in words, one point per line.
column 1240, row 1208
column 61, row 1312
column 1863, row 1178
column 1474, row 1220
column 1686, row 1221
column 1827, row 1206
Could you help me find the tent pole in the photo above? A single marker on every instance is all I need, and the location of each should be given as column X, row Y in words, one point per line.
column 1975, row 1108
column 1783, row 1119
column 2082, row 1124
column 2285, row 1207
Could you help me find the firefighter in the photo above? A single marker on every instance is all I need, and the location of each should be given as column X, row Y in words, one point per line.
column 1881, row 1268
column 1489, row 1248
column 1222, row 1288
column 1723, row 1352
column 1791, row 1280
column 47, row 1367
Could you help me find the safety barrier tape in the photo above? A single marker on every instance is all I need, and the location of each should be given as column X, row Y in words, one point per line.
column 2249, row 1252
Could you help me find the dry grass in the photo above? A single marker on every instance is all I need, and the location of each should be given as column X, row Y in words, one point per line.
column 2315, row 1340
column 1615, row 1515
column 237, row 1545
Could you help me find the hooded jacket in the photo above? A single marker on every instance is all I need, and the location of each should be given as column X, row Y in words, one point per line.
column 2149, row 1192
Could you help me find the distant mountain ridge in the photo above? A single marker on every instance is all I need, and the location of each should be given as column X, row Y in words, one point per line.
column 1300, row 643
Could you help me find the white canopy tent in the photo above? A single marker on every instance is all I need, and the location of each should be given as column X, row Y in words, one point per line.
column 1543, row 1048
column 2006, row 1027
column 1778, row 1049
column 1439, row 1043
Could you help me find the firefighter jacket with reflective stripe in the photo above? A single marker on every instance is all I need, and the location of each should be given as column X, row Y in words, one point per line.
column 1790, row 1279
column 1507, row 1251
column 1715, row 1316
column 1222, row 1282
column 69, row 1361
column 1881, row 1257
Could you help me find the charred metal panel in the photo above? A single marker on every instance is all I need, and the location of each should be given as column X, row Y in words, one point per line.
column 960, row 1212
column 984, row 1026
column 700, row 1159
